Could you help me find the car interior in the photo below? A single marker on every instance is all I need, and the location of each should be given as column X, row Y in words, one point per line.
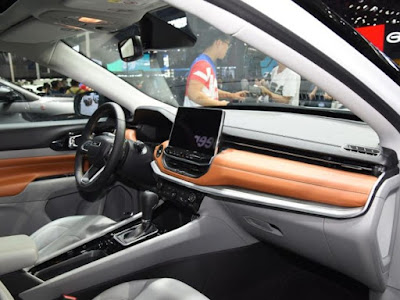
column 140, row 198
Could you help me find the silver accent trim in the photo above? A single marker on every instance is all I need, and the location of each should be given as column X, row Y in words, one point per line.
column 71, row 141
column 273, row 200
column 94, row 177
column 119, row 236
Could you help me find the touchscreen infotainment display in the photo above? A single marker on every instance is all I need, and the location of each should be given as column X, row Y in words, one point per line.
column 197, row 129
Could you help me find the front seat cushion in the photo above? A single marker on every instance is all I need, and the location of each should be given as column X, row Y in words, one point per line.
column 152, row 289
column 66, row 231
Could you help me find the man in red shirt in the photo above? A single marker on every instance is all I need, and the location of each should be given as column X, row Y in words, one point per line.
column 202, row 86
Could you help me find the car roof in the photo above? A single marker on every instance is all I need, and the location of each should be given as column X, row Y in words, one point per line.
column 33, row 21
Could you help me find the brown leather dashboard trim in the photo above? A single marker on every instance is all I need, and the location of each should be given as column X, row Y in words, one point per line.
column 17, row 173
column 282, row 177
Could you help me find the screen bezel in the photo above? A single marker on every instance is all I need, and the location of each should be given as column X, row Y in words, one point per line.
column 221, row 124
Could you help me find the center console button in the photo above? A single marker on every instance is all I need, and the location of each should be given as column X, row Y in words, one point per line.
column 191, row 197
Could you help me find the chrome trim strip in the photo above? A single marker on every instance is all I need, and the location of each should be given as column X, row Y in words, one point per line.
column 119, row 239
column 273, row 200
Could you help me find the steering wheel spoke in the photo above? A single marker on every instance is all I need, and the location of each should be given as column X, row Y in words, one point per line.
column 84, row 147
column 91, row 174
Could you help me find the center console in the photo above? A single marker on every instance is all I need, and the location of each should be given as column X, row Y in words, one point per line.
column 165, row 218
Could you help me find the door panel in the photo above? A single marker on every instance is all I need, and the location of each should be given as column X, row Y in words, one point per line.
column 31, row 173
column 37, row 183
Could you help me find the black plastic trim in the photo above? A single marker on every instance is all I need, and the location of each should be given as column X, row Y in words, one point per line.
column 336, row 23
column 36, row 135
column 295, row 42
column 325, row 112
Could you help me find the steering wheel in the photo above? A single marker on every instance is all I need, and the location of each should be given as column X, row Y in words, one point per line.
column 103, row 151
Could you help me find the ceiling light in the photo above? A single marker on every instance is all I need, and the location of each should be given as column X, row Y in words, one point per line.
column 374, row 8
column 351, row 5
column 358, row 7
column 91, row 20
column 365, row 7
column 387, row 12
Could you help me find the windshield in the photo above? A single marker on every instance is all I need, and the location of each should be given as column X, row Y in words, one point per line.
column 219, row 70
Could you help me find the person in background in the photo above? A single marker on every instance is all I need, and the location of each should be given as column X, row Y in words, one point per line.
column 74, row 89
column 55, row 87
column 64, row 86
column 284, row 86
column 313, row 95
column 46, row 89
column 202, row 85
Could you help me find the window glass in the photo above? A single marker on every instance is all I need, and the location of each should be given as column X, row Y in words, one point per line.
column 32, row 93
column 218, row 70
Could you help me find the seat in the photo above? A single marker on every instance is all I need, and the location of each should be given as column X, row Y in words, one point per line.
column 152, row 289
column 64, row 231
column 4, row 293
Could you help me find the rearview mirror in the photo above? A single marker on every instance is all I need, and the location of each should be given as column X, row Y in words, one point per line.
column 130, row 49
column 155, row 34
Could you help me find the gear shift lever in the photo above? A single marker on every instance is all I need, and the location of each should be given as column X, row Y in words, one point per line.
column 148, row 200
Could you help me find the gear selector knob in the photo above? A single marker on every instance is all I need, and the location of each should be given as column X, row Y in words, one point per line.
column 148, row 200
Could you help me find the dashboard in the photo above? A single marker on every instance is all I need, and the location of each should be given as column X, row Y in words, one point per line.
column 317, row 185
column 305, row 163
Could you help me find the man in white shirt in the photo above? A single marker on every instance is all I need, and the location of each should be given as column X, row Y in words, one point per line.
column 284, row 86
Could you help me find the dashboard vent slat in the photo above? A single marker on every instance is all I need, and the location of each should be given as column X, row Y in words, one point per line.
column 362, row 150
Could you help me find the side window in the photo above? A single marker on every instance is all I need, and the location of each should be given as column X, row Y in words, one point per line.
column 32, row 93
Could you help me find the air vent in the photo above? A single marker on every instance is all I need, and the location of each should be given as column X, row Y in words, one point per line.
column 362, row 150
